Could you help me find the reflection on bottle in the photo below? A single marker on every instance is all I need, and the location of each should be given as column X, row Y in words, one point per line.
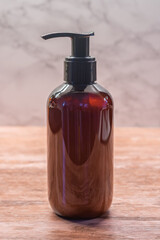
column 105, row 127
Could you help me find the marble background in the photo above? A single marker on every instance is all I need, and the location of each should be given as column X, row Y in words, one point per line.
column 126, row 45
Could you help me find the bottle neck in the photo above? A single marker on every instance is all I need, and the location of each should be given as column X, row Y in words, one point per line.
column 80, row 70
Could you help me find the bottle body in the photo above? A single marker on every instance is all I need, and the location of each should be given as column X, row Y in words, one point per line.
column 80, row 150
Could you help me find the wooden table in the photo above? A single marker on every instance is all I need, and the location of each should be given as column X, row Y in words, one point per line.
column 24, row 209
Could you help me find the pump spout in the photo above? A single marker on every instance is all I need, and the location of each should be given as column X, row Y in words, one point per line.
column 80, row 42
column 79, row 67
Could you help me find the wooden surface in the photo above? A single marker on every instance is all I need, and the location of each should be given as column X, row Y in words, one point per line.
column 24, row 209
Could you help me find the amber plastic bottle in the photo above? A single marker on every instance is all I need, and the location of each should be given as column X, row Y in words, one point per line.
column 80, row 137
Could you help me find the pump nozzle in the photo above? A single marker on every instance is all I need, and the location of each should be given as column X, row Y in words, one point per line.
column 80, row 42
column 79, row 67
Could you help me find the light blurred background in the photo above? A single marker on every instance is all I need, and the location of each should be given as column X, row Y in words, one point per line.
column 126, row 45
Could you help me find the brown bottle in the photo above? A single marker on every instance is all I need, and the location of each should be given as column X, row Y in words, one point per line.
column 80, row 137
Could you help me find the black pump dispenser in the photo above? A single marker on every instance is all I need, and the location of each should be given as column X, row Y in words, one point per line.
column 80, row 67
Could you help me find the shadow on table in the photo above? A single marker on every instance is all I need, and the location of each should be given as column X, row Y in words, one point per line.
column 88, row 229
column 89, row 222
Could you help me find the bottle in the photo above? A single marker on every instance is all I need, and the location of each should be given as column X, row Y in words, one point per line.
column 79, row 137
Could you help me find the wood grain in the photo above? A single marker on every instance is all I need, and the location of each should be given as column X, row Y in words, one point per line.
column 24, row 208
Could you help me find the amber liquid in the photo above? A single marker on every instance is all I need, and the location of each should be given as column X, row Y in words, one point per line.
column 80, row 154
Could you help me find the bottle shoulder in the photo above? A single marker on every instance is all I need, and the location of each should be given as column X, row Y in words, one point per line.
column 60, row 90
column 65, row 88
column 68, row 94
column 102, row 91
